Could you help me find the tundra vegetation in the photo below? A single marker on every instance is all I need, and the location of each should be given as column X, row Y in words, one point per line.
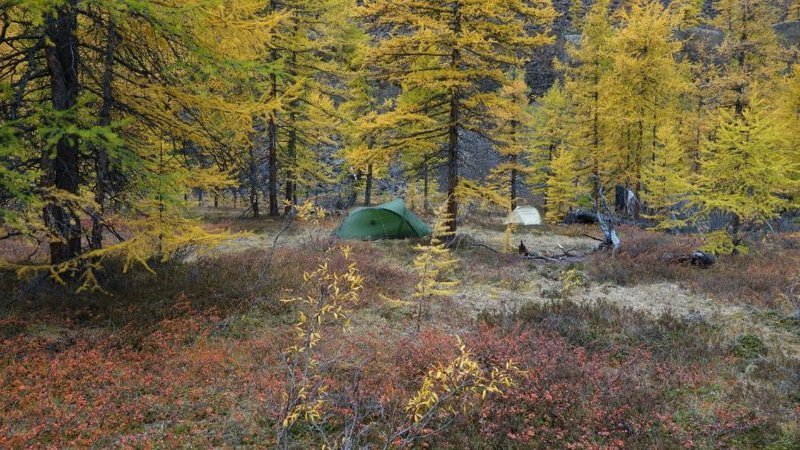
column 171, row 174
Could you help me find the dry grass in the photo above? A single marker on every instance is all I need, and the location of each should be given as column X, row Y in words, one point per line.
column 228, row 283
column 765, row 278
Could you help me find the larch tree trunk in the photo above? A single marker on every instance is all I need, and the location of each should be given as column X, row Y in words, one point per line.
column 453, row 134
column 291, row 147
column 426, row 203
column 61, row 168
column 514, row 174
column 254, row 183
column 101, row 154
column 452, row 164
column 273, row 167
column 596, row 136
column 368, row 186
column 291, row 150
column 513, row 181
column 272, row 147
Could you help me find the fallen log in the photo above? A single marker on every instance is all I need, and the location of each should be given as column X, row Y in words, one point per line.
column 579, row 216
column 566, row 254
column 699, row 259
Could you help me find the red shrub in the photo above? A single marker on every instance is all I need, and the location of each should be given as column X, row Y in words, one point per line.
column 80, row 391
column 564, row 397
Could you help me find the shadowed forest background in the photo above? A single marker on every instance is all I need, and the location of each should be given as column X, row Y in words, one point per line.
column 174, row 175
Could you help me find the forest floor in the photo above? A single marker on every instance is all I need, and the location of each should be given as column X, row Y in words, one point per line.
column 629, row 351
column 538, row 282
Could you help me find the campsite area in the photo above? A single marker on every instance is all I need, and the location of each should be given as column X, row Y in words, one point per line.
column 400, row 224
column 613, row 352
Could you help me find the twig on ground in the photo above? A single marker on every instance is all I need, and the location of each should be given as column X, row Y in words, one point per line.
column 478, row 244
column 11, row 235
column 287, row 222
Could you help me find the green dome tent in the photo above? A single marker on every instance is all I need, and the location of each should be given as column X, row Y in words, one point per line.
column 388, row 221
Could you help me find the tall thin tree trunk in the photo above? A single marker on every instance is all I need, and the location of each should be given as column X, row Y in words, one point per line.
column 254, row 183
column 273, row 167
column 160, row 197
column 741, row 59
column 596, row 137
column 101, row 154
column 368, row 188
column 272, row 146
column 514, row 163
column 736, row 224
column 291, row 148
column 254, row 201
column 453, row 127
column 514, row 160
column 638, row 169
column 452, row 164
column 426, row 202
column 61, row 171
column 291, row 194
column 698, row 138
column 352, row 190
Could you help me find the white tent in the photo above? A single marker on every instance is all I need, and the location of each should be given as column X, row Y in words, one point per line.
column 525, row 215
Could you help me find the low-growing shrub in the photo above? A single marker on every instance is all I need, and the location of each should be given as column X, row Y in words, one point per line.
column 603, row 326
column 230, row 283
column 765, row 277
column 749, row 346
column 610, row 377
column 569, row 398
column 176, row 360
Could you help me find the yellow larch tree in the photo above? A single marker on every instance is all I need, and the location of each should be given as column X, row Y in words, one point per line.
column 563, row 185
column 311, row 48
column 513, row 119
column 745, row 173
column 643, row 91
column 98, row 93
column 789, row 116
column 445, row 56
column 749, row 53
column 668, row 180
column 435, row 265
column 585, row 75
column 365, row 160
column 555, row 128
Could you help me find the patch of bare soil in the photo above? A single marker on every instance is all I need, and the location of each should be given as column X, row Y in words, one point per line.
column 295, row 236
column 535, row 239
column 660, row 298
